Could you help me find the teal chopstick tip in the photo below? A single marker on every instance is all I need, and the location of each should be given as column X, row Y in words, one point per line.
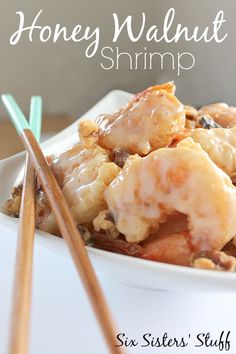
column 36, row 116
column 18, row 118
column 15, row 113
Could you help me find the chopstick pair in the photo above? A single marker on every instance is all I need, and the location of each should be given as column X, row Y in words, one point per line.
column 65, row 222
column 21, row 302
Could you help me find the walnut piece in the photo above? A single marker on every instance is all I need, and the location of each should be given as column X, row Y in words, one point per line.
column 12, row 205
column 88, row 132
column 191, row 113
column 206, row 122
column 215, row 260
column 104, row 222
column 120, row 157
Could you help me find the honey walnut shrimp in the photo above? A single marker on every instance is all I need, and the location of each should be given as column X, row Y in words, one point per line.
column 114, row 193
column 181, row 179
column 148, row 122
column 222, row 114
column 83, row 172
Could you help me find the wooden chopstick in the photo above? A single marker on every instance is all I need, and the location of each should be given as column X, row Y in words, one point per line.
column 19, row 335
column 66, row 224
column 72, row 237
column 21, row 302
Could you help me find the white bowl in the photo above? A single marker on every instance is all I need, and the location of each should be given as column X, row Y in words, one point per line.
column 129, row 270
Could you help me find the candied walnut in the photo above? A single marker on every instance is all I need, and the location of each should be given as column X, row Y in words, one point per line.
column 88, row 132
column 120, row 157
column 206, row 122
column 118, row 245
column 190, row 113
column 104, row 222
column 86, row 235
column 203, row 263
column 233, row 179
column 17, row 191
column 230, row 248
column 12, row 205
column 215, row 260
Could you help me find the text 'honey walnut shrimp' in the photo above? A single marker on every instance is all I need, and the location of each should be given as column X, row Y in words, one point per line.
column 182, row 179
column 149, row 121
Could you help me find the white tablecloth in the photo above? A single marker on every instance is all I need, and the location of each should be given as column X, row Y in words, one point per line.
column 63, row 323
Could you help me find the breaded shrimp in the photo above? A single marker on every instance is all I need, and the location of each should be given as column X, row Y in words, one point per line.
column 182, row 179
column 149, row 121
column 223, row 114
column 220, row 144
column 84, row 174
column 175, row 248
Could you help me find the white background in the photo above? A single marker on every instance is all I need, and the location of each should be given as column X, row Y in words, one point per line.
column 63, row 323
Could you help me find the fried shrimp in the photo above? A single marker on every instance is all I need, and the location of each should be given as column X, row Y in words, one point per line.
column 182, row 179
column 155, row 180
column 220, row 144
column 171, row 243
column 172, row 248
column 83, row 175
column 149, row 121
column 82, row 172
column 222, row 114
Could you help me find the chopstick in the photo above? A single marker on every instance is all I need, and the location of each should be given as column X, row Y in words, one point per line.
column 65, row 222
column 21, row 302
